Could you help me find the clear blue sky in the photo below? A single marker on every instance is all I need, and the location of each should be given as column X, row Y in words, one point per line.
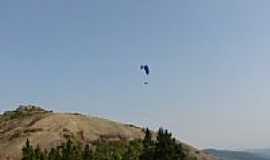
column 210, row 82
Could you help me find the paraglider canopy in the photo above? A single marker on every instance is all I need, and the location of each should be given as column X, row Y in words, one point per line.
column 146, row 69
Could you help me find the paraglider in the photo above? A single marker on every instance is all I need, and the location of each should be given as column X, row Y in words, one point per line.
column 146, row 69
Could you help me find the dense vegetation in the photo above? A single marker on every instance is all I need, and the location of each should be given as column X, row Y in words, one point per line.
column 164, row 147
column 22, row 112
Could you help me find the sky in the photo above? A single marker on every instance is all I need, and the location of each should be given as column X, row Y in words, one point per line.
column 209, row 81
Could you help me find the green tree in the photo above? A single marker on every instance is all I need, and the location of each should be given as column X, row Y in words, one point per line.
column 167, row 148
column 87, row 153
column 54, row 154
column 76, row 152
column 28, row 152
column 164, row 148
column 102, row 152
column 67, row 151
column 133, row 151
column 179, row 153
column 38, row 154
column 109, row 151
column 148, row 146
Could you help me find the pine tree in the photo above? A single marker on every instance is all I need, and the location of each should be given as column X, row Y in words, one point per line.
column 87, row 153
column 167, row 148
column 76, row 152
column 28, row 152
column 133, row 151
column 67, row 151
column 38, row 153
column 178, row 152
column 52, row 155
column 148, row 146
column 163, row 149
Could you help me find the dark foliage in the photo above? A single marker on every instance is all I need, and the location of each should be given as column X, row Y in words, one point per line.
column 164, row 147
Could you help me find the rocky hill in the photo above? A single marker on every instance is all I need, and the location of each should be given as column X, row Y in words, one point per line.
column 48, row 129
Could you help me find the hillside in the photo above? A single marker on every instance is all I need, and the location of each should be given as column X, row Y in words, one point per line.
column 235, row 155
column 48, row 129
column 265, row 152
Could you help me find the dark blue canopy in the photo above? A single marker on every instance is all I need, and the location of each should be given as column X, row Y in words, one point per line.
column 146, row 69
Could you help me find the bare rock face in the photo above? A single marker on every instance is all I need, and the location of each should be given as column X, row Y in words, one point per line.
column 48, row 129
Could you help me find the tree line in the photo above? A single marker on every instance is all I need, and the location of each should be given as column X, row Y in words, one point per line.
column 163, row 147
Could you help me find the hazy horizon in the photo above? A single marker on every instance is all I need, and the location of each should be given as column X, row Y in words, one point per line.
column 209, row 81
